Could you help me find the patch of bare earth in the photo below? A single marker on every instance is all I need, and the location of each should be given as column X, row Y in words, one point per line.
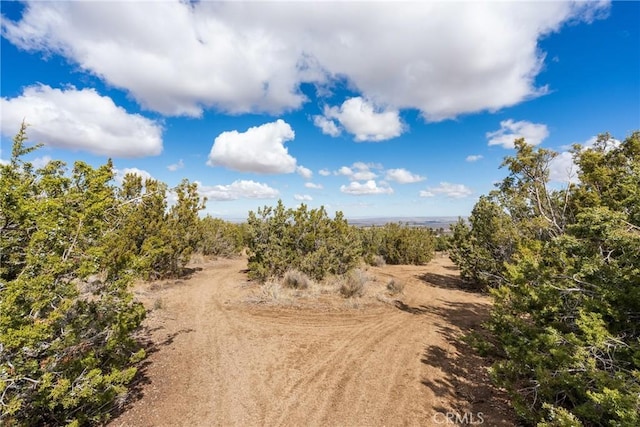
column 226, row 351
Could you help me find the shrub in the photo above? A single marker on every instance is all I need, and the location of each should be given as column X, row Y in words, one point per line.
column 563, row 267
column 352, row 284
column 378, row 261
column 219, row 238
column 307, row 240
column 395, row 287
column 295, row 279
column 397, row 244
column 67, row 350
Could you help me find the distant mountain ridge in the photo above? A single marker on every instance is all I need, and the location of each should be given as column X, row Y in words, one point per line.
column 434, row 222
column 416, row 221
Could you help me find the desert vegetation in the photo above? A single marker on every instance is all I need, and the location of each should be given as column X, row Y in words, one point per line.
column 563, row 267
column 561, row 264
column 304, row 239
column 299, row 245
column 396, row 244
column 71, row 243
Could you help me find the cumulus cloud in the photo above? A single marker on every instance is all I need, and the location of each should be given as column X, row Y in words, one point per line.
column 533, row 133
column 260, row 149
column 176, row 166
column 327, row 126
column 563, row 169
column 306, row 173
column 41, row 162
column 456, row 191
column 121, row 173
column 359, row 171
column 370, row 187
column 303, row 197
column 313, row 186
column 474, row 158
column 438, row 57
column 80, row 120
column 366, row 123
column 403, row 176
column 241, row 189
column 324, row 172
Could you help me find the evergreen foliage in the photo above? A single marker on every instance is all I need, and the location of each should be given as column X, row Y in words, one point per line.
column 398, row 244
column 150, row 240
column 281, row 239
column 70, row 243
column 564, row 268
column 220, row 238
column 66, row 346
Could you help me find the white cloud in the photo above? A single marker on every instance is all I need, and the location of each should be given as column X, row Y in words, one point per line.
column 533, row 133
column 241, row 189
column 327, row 126
column 260, row 149
column 303, row 197
column 403, row 176
column 306, row 173
column 357, row 172
column 437, row 57
column 120, row 174
column 175, row 166
column 80, row 120
column 365, row 122
column 456, row 191
column 474, row 158
column 370, row 187
column 611, row 143
column 563, row 169
column 324, row 172
column 41, row 162
column 313, row 186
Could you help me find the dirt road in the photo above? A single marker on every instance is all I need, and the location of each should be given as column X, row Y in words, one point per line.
column 223, row 356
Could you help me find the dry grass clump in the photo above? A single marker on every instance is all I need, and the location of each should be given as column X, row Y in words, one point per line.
column 378, row 261
column 394, row 287
column 353, row 284
column 272, row 292
column 295, row 279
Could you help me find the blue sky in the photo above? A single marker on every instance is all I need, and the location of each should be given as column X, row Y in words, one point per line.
column 375, row 109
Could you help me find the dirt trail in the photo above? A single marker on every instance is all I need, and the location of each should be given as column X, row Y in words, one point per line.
column 218, row 359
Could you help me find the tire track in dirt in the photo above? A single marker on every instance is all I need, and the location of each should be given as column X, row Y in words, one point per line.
column 338, row 375
column 222, row 361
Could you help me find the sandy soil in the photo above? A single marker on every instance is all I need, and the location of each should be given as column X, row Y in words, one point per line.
column 226, row 351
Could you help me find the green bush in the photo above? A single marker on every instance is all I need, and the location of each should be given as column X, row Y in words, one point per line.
column 564, row 267
column 66, row 353
column 397, row 244
column 308, row 240
column 220, row 238
column 153, row 241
